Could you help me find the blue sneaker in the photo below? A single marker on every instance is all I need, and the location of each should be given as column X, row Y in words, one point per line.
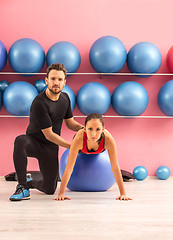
column 21, row 193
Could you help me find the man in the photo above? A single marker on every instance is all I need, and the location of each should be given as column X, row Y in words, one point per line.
column 42, row 137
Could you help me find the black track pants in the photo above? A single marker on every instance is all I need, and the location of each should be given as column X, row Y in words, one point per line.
column 47, row 155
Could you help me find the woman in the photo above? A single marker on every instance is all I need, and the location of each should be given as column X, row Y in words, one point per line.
column 92, row 139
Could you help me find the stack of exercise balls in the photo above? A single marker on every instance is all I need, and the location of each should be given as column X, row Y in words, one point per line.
column 27, row 56
column 107, row 55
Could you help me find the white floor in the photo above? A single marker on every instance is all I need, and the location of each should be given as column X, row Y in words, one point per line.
column 90, row 215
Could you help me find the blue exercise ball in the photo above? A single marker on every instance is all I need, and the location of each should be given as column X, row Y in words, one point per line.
column 144, row 57
column 40, row 85
column 163, row 172
column 108, row 55
column 93, row 97
column 3, row 55
column 165, row 98
column 65, row 53
column 130, row 99
column 71, row 95
column 18, row 97
column 3, row 85
column 92, row 172
column 26, row 56
column 140, row 173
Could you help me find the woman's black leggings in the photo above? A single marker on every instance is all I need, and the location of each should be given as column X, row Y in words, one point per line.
column 47, row 155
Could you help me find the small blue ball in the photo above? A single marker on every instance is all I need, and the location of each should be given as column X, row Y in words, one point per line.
column 140, row 173
column 163, row 172
column 3, row 85
column 40, row 85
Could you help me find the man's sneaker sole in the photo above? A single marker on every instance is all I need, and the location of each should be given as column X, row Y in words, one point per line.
column 17, row 200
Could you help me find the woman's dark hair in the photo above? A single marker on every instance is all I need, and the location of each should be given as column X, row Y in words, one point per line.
column 58, row 67
column 95, row 116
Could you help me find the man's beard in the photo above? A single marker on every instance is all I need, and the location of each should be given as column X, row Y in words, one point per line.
column 52, row 91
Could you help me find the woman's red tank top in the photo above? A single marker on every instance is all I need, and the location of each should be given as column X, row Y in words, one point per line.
column 100, row 148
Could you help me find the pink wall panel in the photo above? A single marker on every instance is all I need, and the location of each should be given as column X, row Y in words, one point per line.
column 145, row 142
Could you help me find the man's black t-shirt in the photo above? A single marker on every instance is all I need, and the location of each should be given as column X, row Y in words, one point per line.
column 46, row 113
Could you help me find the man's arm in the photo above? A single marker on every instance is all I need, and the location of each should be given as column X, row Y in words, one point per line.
column 72, row 124
column 55, row 138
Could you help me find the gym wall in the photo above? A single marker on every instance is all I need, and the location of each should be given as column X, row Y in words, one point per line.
column 146, row 142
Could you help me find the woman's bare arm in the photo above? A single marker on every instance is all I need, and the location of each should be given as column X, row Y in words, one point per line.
column 112, row 151
column 76, row 145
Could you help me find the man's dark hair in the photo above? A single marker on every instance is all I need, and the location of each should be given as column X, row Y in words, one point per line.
column 58, row 67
